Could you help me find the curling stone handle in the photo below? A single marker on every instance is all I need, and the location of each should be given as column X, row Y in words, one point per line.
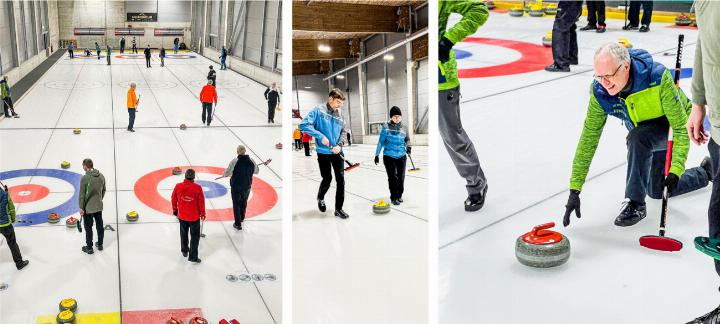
column 537, row 229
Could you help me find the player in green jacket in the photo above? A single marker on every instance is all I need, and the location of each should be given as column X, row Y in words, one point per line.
column 462, row 152
column 629, row 85
column 7, row 218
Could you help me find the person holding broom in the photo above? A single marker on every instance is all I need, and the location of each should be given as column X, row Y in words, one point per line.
column 92, row 192
column 7, row 218
column 393, row 143
column 188, row 205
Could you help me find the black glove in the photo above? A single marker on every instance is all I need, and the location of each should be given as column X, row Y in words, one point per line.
column 671, row 182
column 572, row 204
column 175, row 212
column 377, row 160
column 444, row 49
column 408, row 150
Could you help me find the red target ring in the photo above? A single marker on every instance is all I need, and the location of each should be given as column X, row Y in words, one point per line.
column 263, row 198
column 28, row 193
column 533, row 58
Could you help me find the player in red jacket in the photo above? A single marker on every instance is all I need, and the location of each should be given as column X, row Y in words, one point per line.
column 207, row 97
column 188, row 204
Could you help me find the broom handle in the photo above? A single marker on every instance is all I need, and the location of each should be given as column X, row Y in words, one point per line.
column 411, row 161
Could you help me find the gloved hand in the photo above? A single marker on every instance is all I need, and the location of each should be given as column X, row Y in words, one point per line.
column 444, row 48
column 175, row 212
column 671, row 182
column 408, row 150
column 377, row 160
column 573, row 203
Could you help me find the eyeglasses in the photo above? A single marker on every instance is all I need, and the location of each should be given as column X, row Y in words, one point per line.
column 600, row 78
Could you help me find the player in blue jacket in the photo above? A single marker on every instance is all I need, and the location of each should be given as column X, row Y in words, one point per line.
column 326, row 125
column 393, row 142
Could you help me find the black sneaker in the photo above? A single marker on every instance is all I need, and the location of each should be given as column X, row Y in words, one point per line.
column 196, row 260
column 88, row 249
column 99, row 246
column 321, row 205
column 631, row 213
column 132, row 130
column 342, row 214
column 629, row 27
column 600, row 30
column 706, row 164
column 556, row 68
column 476, row 201
column 644, row 29
column 400, row 200
column 22, row 264
column 710, row 318
column 238, row 227
column 185, row 254
column 395, row 202
column 588, row 27
column 16, row 116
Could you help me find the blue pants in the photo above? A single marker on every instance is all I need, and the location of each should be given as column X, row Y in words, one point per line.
column 222, row 64
column 634, row 13
column 647, row 145
column 564, row 37
column 131, row 123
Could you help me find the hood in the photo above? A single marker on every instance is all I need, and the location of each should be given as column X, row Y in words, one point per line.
column 642, row 65
column 94, row 173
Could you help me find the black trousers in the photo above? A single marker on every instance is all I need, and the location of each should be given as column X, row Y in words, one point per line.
column 122, row 49
column 239, row 199
column 207, row 112
column 88, row 220
column 108, row 59
column 147, row 61
column 8, row 107
column 395, row 169
column 72, row 54
column 306, row 145
column 194, row 242
column 162, row 61
column 298, row 144
column 329, row 163
column 714, row 208
column 634, row 12
column 596, row 13
column 9, row 233
column 271, row 111
column 131, row 121
column 564, row 37
column 134, row 49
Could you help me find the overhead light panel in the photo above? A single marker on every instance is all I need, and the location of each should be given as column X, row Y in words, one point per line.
column 340, row 77
column 324, row 48
column 388, row 57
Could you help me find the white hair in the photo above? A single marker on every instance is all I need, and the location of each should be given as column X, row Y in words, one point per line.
column 618, row 52
column 241, row 149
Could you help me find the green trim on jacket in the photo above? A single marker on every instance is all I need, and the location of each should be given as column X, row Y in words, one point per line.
column 10, row 211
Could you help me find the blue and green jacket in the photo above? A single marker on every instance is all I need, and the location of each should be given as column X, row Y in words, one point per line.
column 653, row 95
column 324, row 122
column 393, row 138
column 7, row 209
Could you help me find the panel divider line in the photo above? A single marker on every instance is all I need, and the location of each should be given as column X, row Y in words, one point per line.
column 117, row 206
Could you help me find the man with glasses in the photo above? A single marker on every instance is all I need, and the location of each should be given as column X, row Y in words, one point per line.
column 629, row 85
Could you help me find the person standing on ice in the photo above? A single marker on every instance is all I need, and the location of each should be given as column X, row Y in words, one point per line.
column 134, row 46
column 393, row 143
column 272, row 96
column 122, row 45
column 706, row 98
column 212, row 76
column 97, row 49
column 458, row 144
column 326, row 125
column 132, row 102
column 223, row 57
column 162, row 56
column 188, row 205
column 241, row 171
column 176, row 43
column 92, row 192
column 70, row 50
column 208, row 95
column 7, row 218
column 564, row 37
column 306, row 143
column 630, row 86
column 109, row 53
column 147, row 56
column 7, row 103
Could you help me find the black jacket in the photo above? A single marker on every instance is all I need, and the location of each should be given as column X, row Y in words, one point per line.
column 242, row 173
column 147, row 53
column 272, row 96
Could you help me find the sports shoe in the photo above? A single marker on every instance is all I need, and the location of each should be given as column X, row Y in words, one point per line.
column 238, row 227
column 22, row 264
column 395, row 202
column 631, row 213
column 556, row 68
column 197, row 260
column 321, row 205
column 88, row 249
column 629, row 27
column 710, row 318
column 99, row 246
column 706, row 164
column 400, row 200
column 644, row 29
column 185, row 254
column 476, row 201
column 589, row 27
column 342, row 214
column 600, row 29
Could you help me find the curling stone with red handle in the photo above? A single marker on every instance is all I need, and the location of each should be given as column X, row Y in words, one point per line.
column 542, row 248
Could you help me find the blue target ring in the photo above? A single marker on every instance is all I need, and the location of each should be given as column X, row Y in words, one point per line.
column 461, row 54
column 212, row 189
column 67, row 208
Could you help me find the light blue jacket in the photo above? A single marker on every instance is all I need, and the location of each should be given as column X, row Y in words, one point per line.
column 324, row 122
column 394, row 138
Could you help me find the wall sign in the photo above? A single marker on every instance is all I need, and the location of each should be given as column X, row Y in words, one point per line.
column 142, row 16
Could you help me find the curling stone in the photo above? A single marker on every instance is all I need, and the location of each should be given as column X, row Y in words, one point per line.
column 516, row 12
column 683, row 20
column 257, row 277
column 65, row 164
column 68, row 304
column 541, row 248
column 132, row 216
column 536, row 11
column 183, row 127
column 76, row 131
column 381, row 207
column 547, row 40
column 174, row 320
column 71, row 222
column 231, row 278
column 53, row 218
column 198, row 320
column 490, row 5
column 708, row 246
column 244, row 277
column 176, row 171
column 65, row 317
column 270, row 277
column 551, row 9
column 278, row 146
column 624, row 42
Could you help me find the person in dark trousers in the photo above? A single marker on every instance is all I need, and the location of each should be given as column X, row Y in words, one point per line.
column 188, row 205
column 457, row 142
column 223, row 57
column 134, row 46
column 596, row 16
column 212, row 76
column 132, row 102
column 97, row 49
column 162, row 56
column 176, row 43
column 297, row 139
column 208, row 95
column 147, row 56
column 122, row 45
column 349, row 136
column 634, row 15
column 564, row 37
column 393, row 143
column 326, row 125
column 70, row 50
column 7, row 218
column 241, row 171
column 109, row 53
column 306, row 143
column 92, row 192
column 8, row 108
column 273, row 98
